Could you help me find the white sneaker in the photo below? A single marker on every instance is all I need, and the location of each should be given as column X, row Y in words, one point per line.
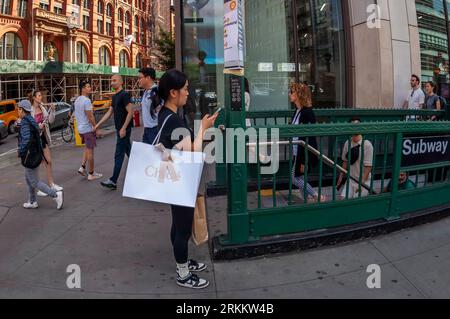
column 57, row 188
column 41, row 194
column 59, row 199
column 82, row 171
column 29, row 205
column 94, row 176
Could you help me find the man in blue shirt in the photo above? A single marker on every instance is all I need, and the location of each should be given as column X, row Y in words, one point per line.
column 147, row 78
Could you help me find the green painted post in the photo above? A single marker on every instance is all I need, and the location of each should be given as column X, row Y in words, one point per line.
column 221, row 168
column 238, row 217
column 394, row 207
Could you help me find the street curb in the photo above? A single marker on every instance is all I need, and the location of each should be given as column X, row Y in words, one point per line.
column 328, row 237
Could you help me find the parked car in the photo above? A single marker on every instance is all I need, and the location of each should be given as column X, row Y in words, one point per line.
column 62, row 112
column 3, row 130
column 9, row 114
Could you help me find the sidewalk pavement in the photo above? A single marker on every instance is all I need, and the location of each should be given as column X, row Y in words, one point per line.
column 122, row 247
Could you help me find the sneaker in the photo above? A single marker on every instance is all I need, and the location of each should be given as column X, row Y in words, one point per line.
column 57, row 188
column 109, row 184
column 82, row 171
column 59, row 199
column 41, row 194
column 94, row 176
column 195, row 266
column 192, row 281
column 29, row 205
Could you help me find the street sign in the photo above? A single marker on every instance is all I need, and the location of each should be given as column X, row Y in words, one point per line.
column 425, row 150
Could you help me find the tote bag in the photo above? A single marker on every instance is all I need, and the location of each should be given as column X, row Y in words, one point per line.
column 165, row 176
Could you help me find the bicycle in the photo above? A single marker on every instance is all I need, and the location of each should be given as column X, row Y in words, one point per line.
column 67, row 132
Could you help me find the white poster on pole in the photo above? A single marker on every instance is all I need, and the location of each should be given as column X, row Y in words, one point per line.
column 233, row 35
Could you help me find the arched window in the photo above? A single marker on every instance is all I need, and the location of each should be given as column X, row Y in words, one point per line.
column 139, row 61
column 128, row 17
column 82, row 56
column 142, row 24
column 86, row 4
column 101, row 7
column 123, row 59
column 11, row 47
column 103, row 56
column 120, row 13
column 109, row 10
column 136, row 21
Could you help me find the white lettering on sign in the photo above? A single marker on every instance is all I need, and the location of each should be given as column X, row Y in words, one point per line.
column 421, row 147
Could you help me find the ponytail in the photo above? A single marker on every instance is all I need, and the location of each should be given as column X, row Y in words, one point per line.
column 171, row 80
column 157, row 102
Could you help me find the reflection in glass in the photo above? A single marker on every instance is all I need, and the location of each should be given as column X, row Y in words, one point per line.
column 286, row 40
column 434, row 43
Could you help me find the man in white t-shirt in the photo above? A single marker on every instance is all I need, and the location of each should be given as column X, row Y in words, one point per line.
column 415, row 100
column 85, row 120
column 353, row 157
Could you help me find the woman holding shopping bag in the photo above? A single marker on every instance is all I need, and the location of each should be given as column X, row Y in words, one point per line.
column 44, row 118
column 172, row 95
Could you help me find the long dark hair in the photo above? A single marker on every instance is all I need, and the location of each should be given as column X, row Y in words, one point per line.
column 32, row 95
column 171, row 80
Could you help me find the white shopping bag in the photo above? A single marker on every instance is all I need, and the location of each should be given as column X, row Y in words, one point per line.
column 151, row 176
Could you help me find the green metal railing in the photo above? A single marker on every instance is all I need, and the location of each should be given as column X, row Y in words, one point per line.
column 288, row 211
column 284, row 209
column 326, row 116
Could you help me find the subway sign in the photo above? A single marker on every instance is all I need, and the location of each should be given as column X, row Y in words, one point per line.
column 425, row 150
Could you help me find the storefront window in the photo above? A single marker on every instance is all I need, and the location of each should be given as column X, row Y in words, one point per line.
column 433, row 19
column 286, row 41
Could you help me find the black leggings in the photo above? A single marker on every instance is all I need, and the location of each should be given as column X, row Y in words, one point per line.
column 182, row 219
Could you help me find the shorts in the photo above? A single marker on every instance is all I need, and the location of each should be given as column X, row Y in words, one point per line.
column 89, row 139
column 44, row 141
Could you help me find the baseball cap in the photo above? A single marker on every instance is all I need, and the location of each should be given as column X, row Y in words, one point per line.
column 26, row 105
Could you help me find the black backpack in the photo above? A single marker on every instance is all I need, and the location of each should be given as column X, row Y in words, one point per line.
column 34, row 153
column 443, row 103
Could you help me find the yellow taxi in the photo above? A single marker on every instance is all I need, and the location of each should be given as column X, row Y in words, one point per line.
column 9, row 114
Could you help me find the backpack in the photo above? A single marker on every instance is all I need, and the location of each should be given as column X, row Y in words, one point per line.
column 34, row 153
column 444, row 103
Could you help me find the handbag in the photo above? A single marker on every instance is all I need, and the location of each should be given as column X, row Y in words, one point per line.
column 200, row 224
column 165, row 176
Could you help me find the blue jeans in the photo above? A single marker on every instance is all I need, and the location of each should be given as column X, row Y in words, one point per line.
column 150, row 135
column 123, row 147
column 33, row 183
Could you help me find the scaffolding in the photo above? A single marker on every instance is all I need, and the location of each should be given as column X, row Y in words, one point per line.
column 60, row 88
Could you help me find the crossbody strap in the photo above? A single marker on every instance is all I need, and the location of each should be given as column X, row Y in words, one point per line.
column 158, row 136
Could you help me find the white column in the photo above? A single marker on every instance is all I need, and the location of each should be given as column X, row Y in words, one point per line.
column 41, row 49
column 36, row 46
column 71, row 49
